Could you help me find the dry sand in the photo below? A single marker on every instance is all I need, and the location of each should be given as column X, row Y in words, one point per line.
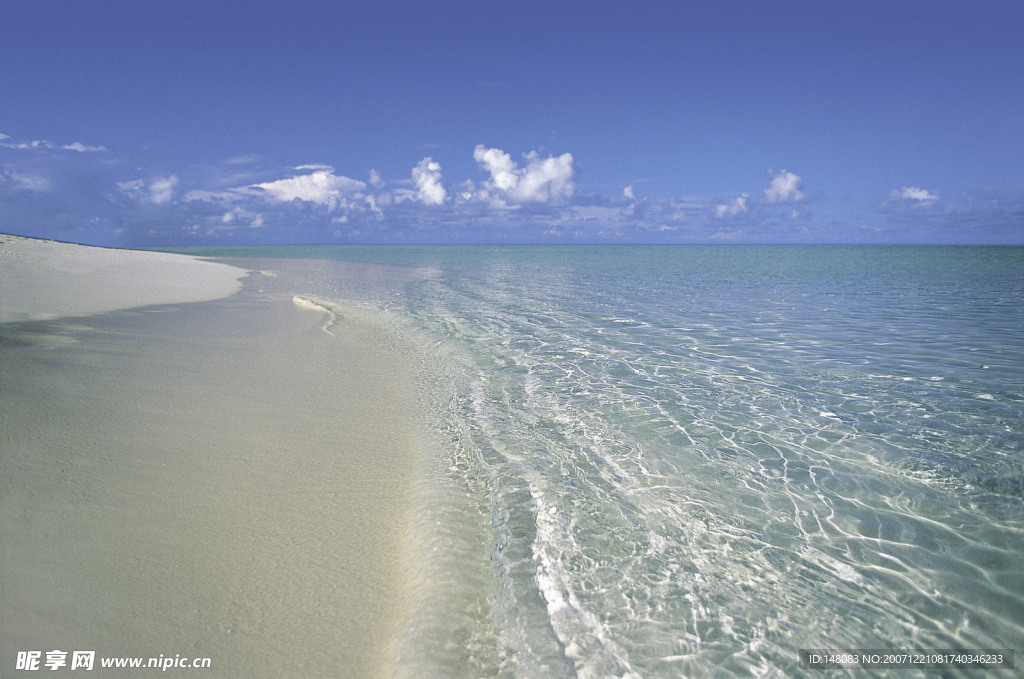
column 41, row 279
column 220, row 479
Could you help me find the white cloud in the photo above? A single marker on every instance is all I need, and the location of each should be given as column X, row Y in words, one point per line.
column 467, row 192
column 912, row 193
column 6, row 141
column 543, row 180
column 628, row 194
column 27, row 182
column 726, row 235
column 785, row 188
column 375, row 179
column 737, row 206
column 318, row 185
column 27, row 144
column 82, row 148
column 321, row 186
column 242, row 217
column 246, row 159
column 135, row 188
column 226, row 196
column 604, row 214
column 158, row 191
column 161, row 189
column 546, row 180
column 374, row 208
column 504, row 172
column 427, row 178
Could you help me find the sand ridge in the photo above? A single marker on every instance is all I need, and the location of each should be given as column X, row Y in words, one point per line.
column 43, row 279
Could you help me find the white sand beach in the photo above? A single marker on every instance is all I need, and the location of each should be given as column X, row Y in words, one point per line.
column 41, row 279
column 218, row 479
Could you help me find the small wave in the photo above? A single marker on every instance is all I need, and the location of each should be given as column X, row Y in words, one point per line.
column 307, row 303
column 585, row 637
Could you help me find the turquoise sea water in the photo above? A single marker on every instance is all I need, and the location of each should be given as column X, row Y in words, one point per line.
column 695, row 461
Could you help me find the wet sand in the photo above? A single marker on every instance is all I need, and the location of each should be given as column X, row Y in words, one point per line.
column 219, row 479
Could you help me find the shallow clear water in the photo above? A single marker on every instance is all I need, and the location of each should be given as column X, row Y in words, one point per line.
column 695, row 461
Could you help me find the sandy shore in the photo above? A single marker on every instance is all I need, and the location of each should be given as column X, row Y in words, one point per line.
column 42, row 279
column 220, row 480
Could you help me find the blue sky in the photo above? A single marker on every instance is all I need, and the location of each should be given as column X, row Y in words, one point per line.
column 185, row 122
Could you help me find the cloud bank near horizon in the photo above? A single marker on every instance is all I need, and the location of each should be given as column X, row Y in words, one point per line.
column 534, row 199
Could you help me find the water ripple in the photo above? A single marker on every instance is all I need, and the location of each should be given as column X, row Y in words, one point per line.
column 703, row 470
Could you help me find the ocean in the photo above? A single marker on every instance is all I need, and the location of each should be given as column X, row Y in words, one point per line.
column 697, row 461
